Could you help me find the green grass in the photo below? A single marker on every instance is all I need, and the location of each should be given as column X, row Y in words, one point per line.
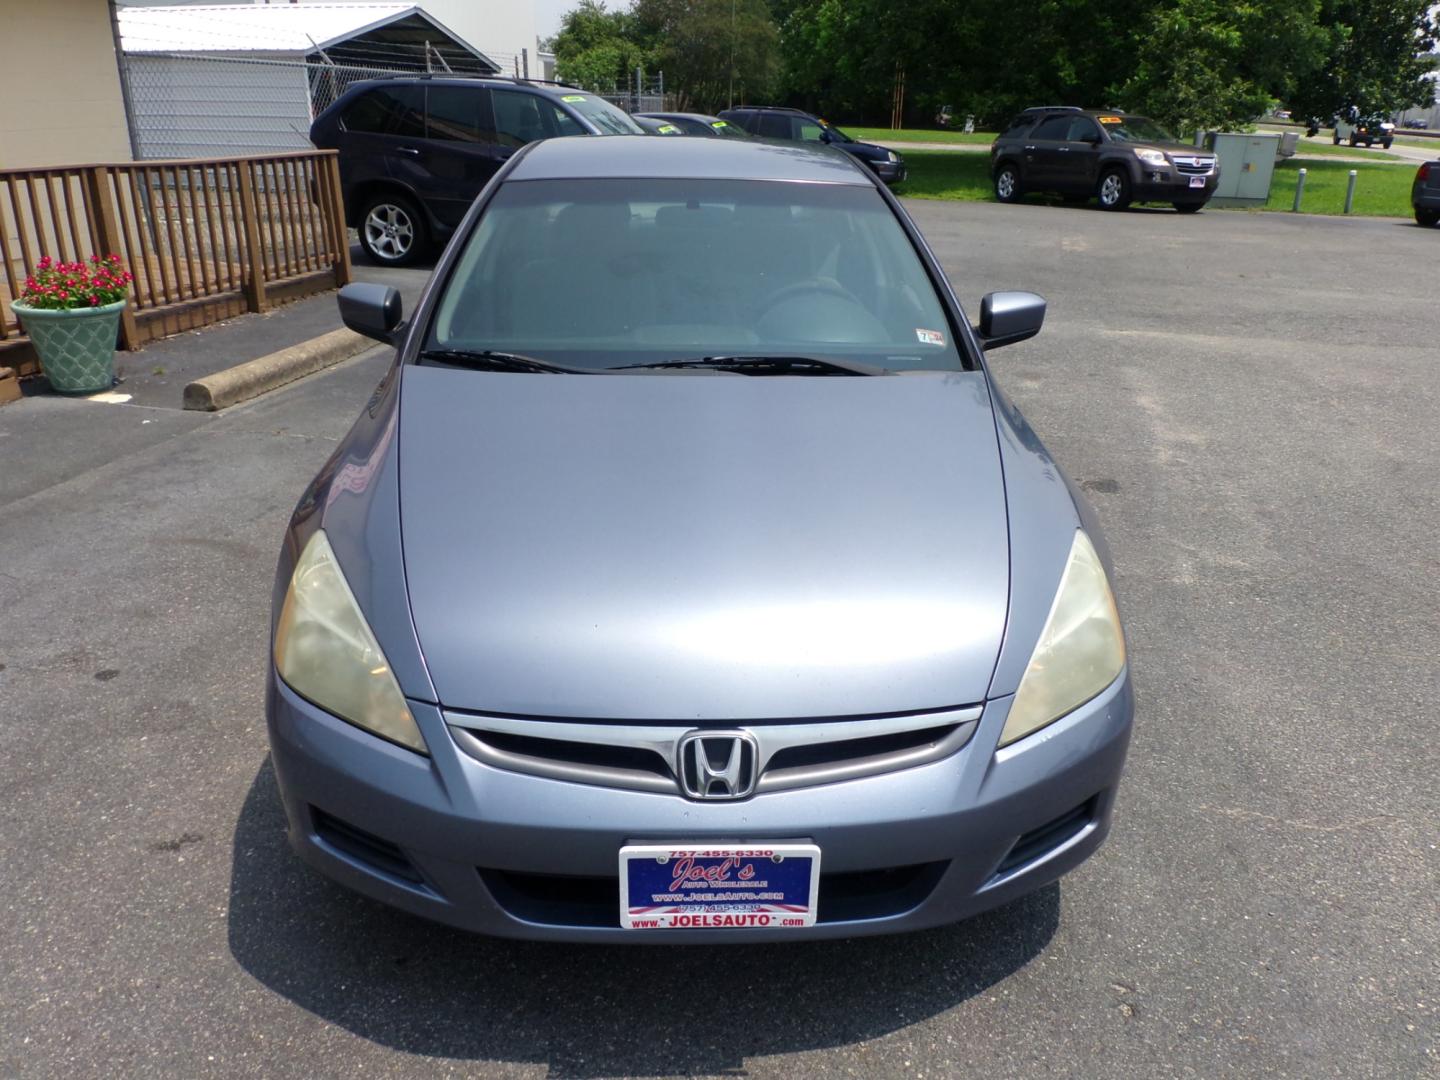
column 1380, row 190
column 1321, row 146
column 939, row 174
column 904, row 135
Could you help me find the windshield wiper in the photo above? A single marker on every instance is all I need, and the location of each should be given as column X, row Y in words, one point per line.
column 500, row 361
column 766, row 365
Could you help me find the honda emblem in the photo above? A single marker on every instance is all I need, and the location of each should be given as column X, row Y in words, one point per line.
column 718, row 764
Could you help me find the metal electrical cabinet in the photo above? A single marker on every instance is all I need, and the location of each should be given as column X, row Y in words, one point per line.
column 1247, row 165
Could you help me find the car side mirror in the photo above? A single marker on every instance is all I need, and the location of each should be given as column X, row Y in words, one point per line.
column 373, row 310
column 1008, row 317
column 825, row 136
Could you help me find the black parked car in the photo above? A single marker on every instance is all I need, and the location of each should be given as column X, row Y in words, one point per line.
column 1425, row 193
column 655, row 126
column 416, row 150
column 771, row 122
column 696, row 124
column 1115, row 157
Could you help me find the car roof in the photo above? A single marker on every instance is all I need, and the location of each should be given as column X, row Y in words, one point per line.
column 644, row 156
column 1061, row 110
column 509, row 83
column 704, row 118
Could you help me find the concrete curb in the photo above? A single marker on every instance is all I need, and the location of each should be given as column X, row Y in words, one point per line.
column 255, row 377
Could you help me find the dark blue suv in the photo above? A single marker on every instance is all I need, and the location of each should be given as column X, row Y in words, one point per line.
column 416, row 150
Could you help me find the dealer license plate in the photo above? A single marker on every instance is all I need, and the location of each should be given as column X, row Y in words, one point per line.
column 718, row 886
column 1197, row 181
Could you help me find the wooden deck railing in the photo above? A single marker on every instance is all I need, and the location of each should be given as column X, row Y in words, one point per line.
column 206, row 239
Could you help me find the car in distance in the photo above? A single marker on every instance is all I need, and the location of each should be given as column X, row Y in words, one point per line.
column 1425, row 193
column 773, row 122
column 695, row 124
column 1368, row 130
column 688, row 576
column 654, row 126
column 1115, row 157
column 416, row 150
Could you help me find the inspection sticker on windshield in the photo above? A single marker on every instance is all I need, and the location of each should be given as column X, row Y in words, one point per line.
column 929, row 337
column 701, row 886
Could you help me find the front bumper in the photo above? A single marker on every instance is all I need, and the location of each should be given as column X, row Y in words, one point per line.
column 503, row 853
column 892, row 172
column 1173, row 186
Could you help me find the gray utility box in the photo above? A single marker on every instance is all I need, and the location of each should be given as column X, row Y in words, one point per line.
column 1247, row 165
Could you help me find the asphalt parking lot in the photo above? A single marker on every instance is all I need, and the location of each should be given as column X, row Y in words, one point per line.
column 1252, row 402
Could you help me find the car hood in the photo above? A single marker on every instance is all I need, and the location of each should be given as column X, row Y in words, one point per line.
column 703, row 546
column 1173, row 148
column 868, row 151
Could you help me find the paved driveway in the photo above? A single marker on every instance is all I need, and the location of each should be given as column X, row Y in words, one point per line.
column 1263, row 456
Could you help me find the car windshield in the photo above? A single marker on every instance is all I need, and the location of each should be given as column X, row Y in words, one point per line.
column 835, row 133
column 617, row 272
column 1134, row 129
column 727, row 130
column 606, row 117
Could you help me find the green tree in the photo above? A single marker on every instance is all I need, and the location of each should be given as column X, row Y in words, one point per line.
column 1205, row 63
column 1374, row 60
column 713, row 52
column 597, row 49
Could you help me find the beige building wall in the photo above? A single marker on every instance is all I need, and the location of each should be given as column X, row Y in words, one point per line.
column 60, row 101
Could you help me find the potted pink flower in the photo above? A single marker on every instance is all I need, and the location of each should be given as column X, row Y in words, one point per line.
column 72, row 313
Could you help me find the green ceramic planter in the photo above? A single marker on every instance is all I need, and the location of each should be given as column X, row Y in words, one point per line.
column 76, row 347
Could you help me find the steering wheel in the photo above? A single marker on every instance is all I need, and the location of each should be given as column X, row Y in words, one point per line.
column 818, row 287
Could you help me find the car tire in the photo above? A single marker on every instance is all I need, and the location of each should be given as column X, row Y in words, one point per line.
column 392, row 232
column 1188, row 207
column 1427, row 217
column 1114, row 190
column 1007, row 184
column 1335, row 139
column 1354, row 141
column 1386, row 144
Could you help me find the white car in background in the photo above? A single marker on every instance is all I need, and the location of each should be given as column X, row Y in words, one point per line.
column 1369, row 131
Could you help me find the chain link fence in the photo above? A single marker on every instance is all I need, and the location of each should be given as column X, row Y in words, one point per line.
column 189, row 106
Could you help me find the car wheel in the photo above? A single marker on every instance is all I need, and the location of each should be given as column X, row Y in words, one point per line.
column 1007, row 184
column 1354, row 141
column 1426, row 217
column 1386, row 144
column 391, row 231
column 1114, row 190
column 1335, row 139
column 1188, row 207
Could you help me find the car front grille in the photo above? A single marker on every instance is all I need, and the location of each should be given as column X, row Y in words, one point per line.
column 1194, row 166
column 562, row 900
column 644, row 756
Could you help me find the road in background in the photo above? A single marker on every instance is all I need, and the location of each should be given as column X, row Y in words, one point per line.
column 1251, row 402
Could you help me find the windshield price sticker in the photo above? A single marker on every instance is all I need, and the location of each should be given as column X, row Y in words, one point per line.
column 698, row 887
column 1110, row 119
column 573, row 97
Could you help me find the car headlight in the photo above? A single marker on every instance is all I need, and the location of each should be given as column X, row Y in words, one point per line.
column 1152, row 157
column 1080, row 651
column 894, row 156
column 325, row 651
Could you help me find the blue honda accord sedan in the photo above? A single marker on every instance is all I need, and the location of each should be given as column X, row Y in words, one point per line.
column 688, row 578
